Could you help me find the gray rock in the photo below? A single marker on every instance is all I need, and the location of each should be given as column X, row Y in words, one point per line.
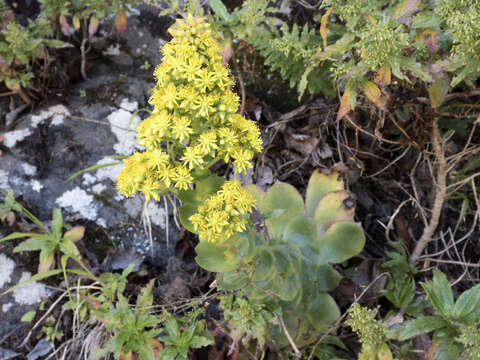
column 23, row 299
column 53, row 143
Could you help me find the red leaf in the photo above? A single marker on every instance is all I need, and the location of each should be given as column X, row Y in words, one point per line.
column 92, row 27
column 120, row 21
column 66, row 28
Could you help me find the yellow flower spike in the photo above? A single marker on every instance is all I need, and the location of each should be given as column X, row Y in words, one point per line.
column 193, row 123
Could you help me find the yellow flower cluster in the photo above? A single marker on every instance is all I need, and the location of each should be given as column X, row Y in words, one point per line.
column 194, row 121
column 223, row 214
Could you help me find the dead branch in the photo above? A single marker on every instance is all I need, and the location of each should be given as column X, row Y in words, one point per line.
column 440, row 194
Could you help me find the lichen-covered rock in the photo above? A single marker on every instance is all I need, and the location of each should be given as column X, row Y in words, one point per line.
column 53, row 143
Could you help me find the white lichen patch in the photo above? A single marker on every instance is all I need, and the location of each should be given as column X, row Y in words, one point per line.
column 108, row 172
column 80, row 202
column 57, row 112
column 36, row 185
column 6, row 307
column 88, row 179
column 98, row 188
column 6, row 269
column 12, row 137
column 113, row 50
column 30, row 293
column 28, row 169
column 3, row 180
column 157, row 214
column 123, row 125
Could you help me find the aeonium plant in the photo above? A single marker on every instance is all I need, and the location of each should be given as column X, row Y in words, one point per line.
column 194, row 124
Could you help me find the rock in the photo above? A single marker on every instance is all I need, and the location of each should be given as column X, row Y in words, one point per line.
column 21, row 300
column 50, row 145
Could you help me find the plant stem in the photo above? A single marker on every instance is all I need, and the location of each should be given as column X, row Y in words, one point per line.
column 440, row 194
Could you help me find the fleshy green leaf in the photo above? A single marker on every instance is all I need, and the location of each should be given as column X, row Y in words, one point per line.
column 281, row 197
column 286, row 287
column 342, row 241
column 264, row 265
column 327, row 278
column 216, row 257
column 319, row 185
column 331, row 208
column 302, row 232
column 184, row 212
column 231, row 281
column 322, row 311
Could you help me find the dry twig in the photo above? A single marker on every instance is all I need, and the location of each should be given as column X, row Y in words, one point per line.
column 440, row 194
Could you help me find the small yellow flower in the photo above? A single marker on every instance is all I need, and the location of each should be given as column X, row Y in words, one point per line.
column 193, row 157
column 207, row 142
column 242, row 160
column 181, row 129
column 224, row 213
column 182, row 178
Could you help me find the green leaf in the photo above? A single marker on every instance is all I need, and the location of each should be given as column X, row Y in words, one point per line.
column 35, row 277
column 318, row 186
column 57, row 223
column 203, row 190
column 28, row 317
column 220, row 9
column 56, row 44
column 256, row 192
column 283, row 261
column 231, row 281
column 18, row 235
column 216, row 257
column 281, row 197
column 447, row 350
column 467, row 302
column 322, row 311
column 437, row 91
column 332, row 208
column 440, row 294
column 91, row 168
column 327, row 278
column 32, row 244
column 342, row 241
column 286, row 287
column 184, row 212
column 422, row 325
column 68, row 247
column 302, row 232
column 199, row 341
column 264, row 264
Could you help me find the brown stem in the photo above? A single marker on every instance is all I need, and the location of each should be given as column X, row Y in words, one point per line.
column 240, row 82
column 440, row 194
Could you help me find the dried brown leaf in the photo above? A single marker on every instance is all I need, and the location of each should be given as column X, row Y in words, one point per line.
column 323, row 26
column 372, row 92
column 383, row 76
column 344, row 104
